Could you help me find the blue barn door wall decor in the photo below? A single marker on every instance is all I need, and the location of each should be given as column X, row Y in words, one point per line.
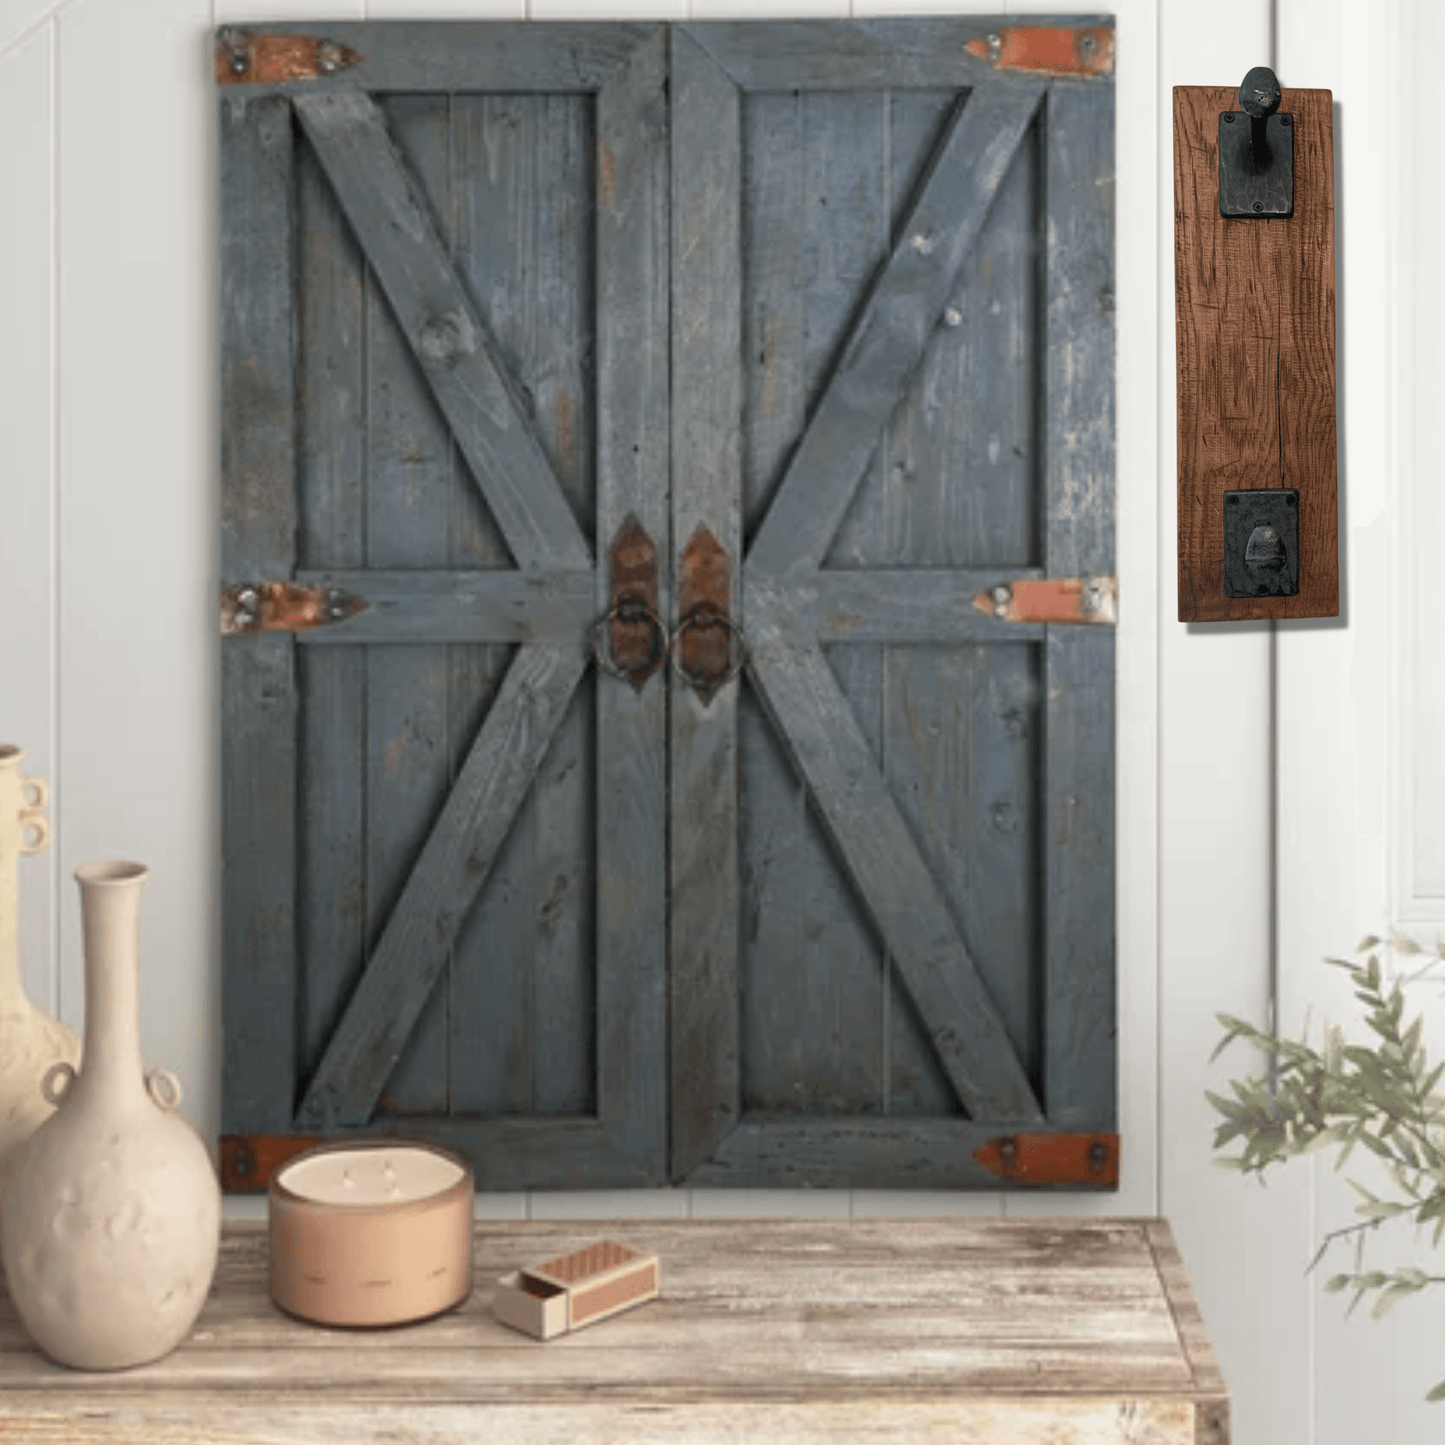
column 668, row 597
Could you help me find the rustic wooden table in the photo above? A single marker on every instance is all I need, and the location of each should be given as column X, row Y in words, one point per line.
column 1071, row 1332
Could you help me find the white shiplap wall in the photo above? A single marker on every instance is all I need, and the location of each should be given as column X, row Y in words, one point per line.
column 108, row 651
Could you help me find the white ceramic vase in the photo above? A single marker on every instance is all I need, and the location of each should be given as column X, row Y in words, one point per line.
column 30, row 1041
column 112, row 1222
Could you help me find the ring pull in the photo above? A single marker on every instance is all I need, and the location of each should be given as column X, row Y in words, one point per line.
column 629, row 613
column 56, row 1082
column 165, row 1089
column 708, row 684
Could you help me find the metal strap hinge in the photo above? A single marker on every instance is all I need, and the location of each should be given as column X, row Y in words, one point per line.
column 245, row 57
column 283, row 607
column 1048, row 49
column 1092, row 600
column 1053, row 1158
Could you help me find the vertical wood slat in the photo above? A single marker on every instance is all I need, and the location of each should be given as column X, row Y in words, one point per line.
column 331, row 288
column 633, row 440
column 707, row 392
column 258, row 691
column 1078, row 982
column 555, row 253
column 772, row 814
column 495, row 146
column 408, row 484
column 846, row 159
column 1255, row 335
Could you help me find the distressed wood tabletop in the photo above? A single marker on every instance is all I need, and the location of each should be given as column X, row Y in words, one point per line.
column 1071, row 1332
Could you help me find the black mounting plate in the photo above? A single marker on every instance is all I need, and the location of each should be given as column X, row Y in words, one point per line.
column 1271, row 567
column 1245, row 191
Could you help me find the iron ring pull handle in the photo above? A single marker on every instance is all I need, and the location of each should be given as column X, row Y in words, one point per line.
column 629, row 611
column 708, row 684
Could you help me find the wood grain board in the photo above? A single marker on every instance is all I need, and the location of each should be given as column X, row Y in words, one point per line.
column 1066, row 1331
column 1255, row 318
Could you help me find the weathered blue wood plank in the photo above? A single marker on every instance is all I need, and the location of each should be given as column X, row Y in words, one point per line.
column 258, row 684
column 466, row 57
column 633, row 441
column 773, row 819
column 706, row 493
column 901, row 311
column 408, row 485
column 803, row 699
column 913, row 52
column 412, row 949
column 542, row 255
column 1080, row 1067
column 1080, row 1085
column 837, row 960
column 1078, row 404
column 331, row 924
column 872, row 534
column 452, row 343
column 863, row 1152
column 895, row 604
column 478, row 606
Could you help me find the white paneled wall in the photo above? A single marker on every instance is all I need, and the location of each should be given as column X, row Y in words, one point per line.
column 108, row 650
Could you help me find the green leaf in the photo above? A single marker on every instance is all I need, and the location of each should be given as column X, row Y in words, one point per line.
column 1380, row 1210
column 1438, row 1393
column 1337, row 1282
column 1412, row 1036
column 1401, row 944
column 1369, row 941
column 1412, row 1278
column 1389, row 1299
column 1432, row 1208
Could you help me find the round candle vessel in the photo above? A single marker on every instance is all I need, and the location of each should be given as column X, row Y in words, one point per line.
column 371, row 1232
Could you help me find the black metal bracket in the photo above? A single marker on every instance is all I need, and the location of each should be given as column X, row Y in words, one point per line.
column 1256, row 160
column 1261, row 543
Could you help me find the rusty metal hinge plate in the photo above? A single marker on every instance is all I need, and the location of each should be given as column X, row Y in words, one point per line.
column 1090, row 600
column 1053, row 1159
column 283, row 607
column 244, row 57
column 248, row 1161
column 1048, row 49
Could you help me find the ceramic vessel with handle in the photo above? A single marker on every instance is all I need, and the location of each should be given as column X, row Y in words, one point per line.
column 30, row 1040
column 111, row 1225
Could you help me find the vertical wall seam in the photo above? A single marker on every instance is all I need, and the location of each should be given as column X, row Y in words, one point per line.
column 55, row 1000
column 1272, row 1003
column 1163, row 371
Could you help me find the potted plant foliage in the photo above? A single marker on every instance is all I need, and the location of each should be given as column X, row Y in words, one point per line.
column 1380, row 1096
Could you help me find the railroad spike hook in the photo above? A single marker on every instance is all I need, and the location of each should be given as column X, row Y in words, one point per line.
column 1259, row 98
